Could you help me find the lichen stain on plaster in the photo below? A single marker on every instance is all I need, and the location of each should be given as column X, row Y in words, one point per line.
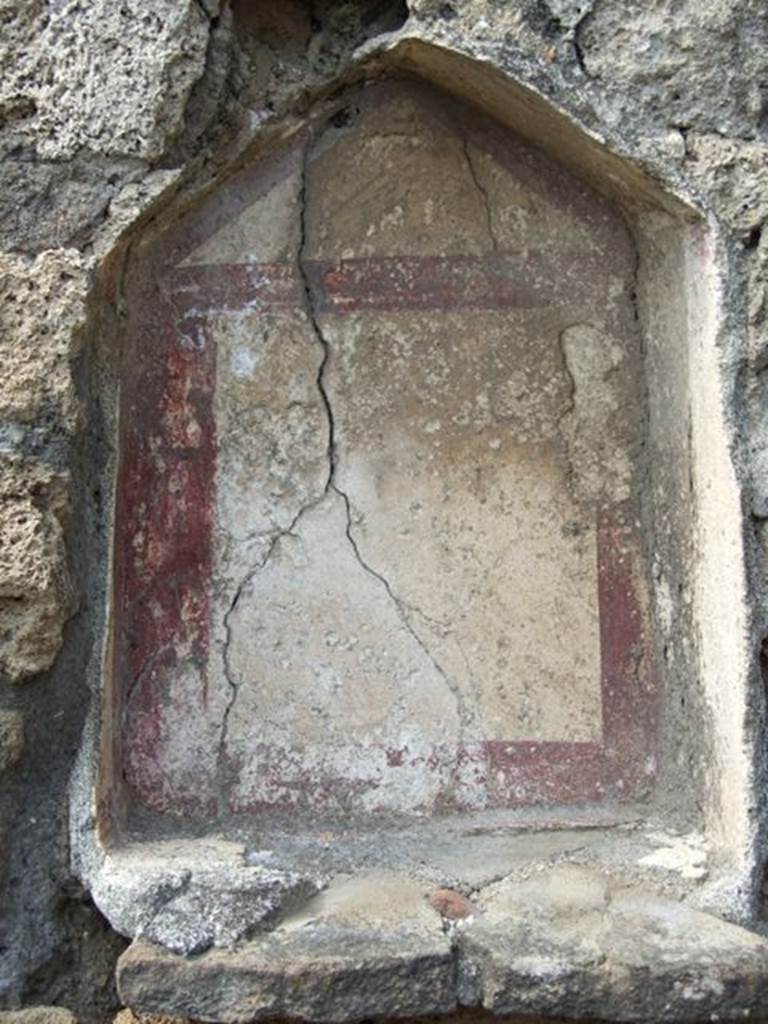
column 389, row 555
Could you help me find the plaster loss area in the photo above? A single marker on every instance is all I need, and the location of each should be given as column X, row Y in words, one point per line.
column 391, row 376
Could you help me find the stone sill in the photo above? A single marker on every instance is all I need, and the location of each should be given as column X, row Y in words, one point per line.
column 586, row 921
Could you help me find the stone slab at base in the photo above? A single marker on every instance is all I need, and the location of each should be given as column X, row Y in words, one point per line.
column 358, row 977
column 570, row 942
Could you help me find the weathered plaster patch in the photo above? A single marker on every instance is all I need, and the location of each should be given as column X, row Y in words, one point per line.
column 341, row 686
column 686, row 854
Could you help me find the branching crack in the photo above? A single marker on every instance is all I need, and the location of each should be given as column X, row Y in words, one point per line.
column 482, row 192
column 402, row 608
column 229, row 675
column 311, row 312
column 570, row 403
column 310, row 307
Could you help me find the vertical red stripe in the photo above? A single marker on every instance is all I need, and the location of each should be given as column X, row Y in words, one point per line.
column 628, row 680
column 163, row 550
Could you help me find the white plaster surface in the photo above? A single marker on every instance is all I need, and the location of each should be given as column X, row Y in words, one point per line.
column 429, row 581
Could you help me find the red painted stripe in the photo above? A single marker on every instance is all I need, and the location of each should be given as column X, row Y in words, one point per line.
column 163, row 554
column 528, row 279
column 629, row 690
column 524, row 280
column 163, row 551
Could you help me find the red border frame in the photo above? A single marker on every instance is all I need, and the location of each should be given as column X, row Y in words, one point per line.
column 165, row 518
column 163, row 562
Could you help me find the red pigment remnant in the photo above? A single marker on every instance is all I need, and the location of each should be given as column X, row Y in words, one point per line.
column 524, row 280
column 235, row 287
column 163, row 562
column 524, row 773
column 451, row 904
column 624, row 763
column 629, row 687
column 163, row 553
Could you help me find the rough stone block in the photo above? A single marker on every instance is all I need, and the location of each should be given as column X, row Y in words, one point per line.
column 567, row 942
column 367, row 947
column 42, row 315
column 11, row 738
column 582, row 944
column 106, row 78
column 189, row 898
column 676, row 41
column 36, row 595
column 734, row 174
column 38, row 1015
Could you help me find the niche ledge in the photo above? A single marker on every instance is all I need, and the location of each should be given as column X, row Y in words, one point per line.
column 555, row 940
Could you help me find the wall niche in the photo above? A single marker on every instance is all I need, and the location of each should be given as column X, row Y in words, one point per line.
column 379, row 506
column 427, row 620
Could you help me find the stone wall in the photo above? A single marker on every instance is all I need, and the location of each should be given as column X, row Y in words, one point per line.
column 110, row 110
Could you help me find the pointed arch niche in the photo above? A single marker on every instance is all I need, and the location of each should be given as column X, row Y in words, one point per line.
column 423, row 490
column 384, row 409
column 390, row 496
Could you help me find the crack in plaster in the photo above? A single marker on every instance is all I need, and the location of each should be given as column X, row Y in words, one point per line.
column 569, row 409
column 234, row 687
column 482, row 192
column 311, row 313
column 147, row 664
column 400, row 606
column 575, row 856
column 278, row 535
column 330, row 485
column 570, row 405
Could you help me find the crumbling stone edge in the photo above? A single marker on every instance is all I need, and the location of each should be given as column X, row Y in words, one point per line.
column 567, row 942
